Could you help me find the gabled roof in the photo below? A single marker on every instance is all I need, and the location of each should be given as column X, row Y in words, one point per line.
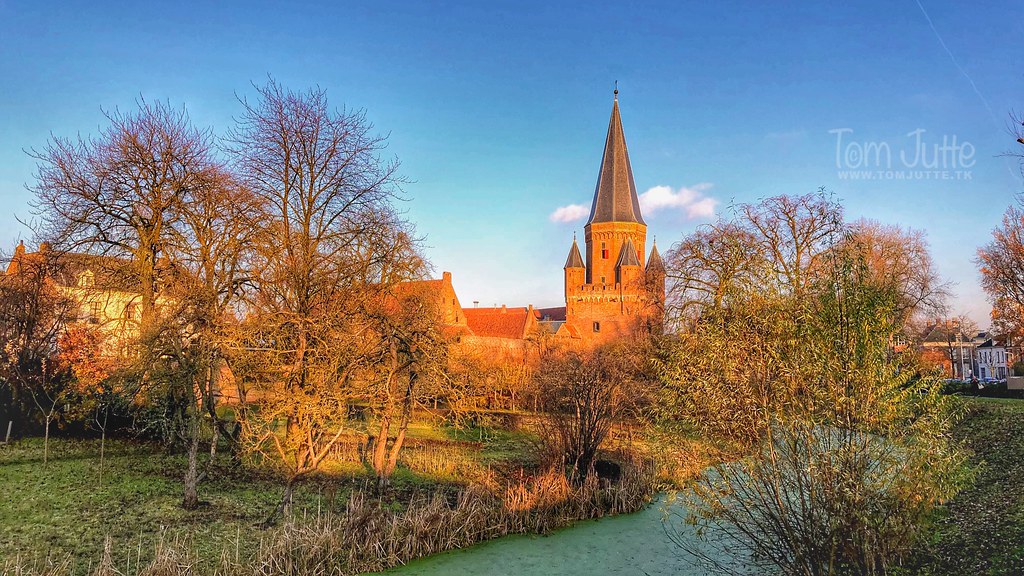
column 627, row 256
column 574, row 260
column 654, row 262
column 940, row 333
column 68, row 268
column 551, row 314
column 992, row 343
column 615, row 198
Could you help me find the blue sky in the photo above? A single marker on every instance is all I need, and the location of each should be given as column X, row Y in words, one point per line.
column 498, row 110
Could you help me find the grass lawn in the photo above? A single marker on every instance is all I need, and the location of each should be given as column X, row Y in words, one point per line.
column 66, row 507
column 981, row 531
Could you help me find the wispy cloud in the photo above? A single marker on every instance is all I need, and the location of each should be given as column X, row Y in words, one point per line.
column 691, row 201
column 570, row 213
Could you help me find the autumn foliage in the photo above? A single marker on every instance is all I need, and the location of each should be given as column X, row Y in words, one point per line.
column 80, row 350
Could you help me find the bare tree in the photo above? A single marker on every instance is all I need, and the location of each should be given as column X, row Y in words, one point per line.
column 324, row 248
column 120, row 193
column 794, row 233
column 777, row 245
column 410, row 350
column 584, row 394
column 137, row 194
column 210, row 250
column 1001, row 263
column 899, row 258
column 706, row 266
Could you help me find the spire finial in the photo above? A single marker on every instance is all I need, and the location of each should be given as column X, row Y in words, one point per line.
column 616, row 90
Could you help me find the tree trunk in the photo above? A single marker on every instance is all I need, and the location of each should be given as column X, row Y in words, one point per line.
column 380, row 445
column 103, row 437
column 190, row 501
column 46, row 441
column 103, row 442
column 404, row 426
column 213, row 444
column 284, row 507
column 209, row 400
column 393, row 456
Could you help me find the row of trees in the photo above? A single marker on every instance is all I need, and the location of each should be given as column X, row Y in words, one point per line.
column 271, row 258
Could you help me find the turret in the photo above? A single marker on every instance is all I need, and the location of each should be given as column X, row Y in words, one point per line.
column 575, row 271
column 627, row 266
column 655, row 266
column 655, row 279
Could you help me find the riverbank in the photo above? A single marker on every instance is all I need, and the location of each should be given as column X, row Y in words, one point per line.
column 64, row 512
column 981, row 531
column 627, row 544
column 448, row 492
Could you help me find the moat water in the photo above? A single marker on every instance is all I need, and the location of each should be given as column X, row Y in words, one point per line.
column 636, row 543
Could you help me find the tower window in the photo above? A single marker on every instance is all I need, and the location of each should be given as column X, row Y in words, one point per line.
column 597, row 326
column 604, row 252
column 602, row 280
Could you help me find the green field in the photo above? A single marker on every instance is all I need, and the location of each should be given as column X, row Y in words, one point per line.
column 981, row 531
column 68, row 507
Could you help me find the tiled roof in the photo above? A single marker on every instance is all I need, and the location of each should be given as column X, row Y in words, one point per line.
column 627, row 255
column 570, row 330
column 455, row 330
column 654, row 261
column 574, row 260
column 409, row 287
column 551, row 314
column 497, row 322
column 552, row 326
column 940, row 333
column 67, row 268
column 615, row 198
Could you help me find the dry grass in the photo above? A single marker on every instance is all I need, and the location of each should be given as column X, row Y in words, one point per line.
column 371, row 535
column 449, row 462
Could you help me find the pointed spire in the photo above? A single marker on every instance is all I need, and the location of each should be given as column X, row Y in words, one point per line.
column 615, row 198
column 574, row 260
column 627, row 256
column 654, row 262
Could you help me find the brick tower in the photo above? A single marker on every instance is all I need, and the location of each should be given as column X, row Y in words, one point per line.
column 612, row 293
